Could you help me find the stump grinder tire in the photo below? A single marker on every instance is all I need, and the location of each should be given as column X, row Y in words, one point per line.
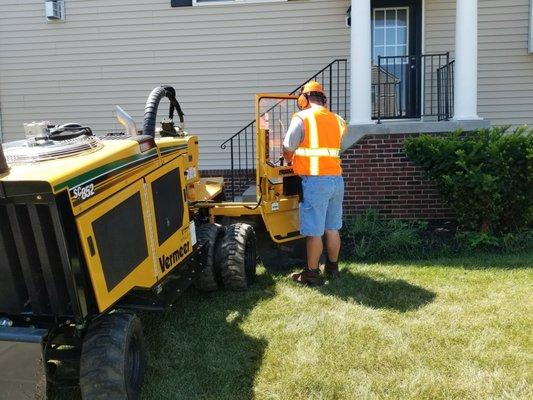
column 113, row 358
column 209, row 234
column 238, row 256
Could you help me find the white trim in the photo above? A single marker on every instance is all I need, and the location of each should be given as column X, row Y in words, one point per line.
column 466, row 53
column 203, row 3
column 361, row 63
column 530, row 45
column 423, row 28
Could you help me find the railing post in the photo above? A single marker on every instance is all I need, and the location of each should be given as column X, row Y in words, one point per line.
column 331, row 86
column 447, row 88
column 232, row 172
column 379, row 90
column 439, row 95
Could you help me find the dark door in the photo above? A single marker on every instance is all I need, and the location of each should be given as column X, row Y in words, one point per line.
column 396, row 49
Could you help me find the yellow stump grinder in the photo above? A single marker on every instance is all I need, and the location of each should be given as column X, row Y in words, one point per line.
column 93, row 228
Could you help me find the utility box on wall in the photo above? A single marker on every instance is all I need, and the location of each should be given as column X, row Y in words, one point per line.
column 54, row 10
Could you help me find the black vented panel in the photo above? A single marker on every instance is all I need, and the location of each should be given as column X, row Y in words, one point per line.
column 168, row 204
column 31, row 272
column 121, row 240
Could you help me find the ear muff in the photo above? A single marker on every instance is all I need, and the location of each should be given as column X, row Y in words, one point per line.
column 303, row 101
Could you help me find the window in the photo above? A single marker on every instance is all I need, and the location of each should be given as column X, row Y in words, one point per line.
column 212, row 2
column 188, row 3
column 390, row 32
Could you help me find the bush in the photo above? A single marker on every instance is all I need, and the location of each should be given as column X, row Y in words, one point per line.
column 509, row 242
column 485, row 176
column 369, row 237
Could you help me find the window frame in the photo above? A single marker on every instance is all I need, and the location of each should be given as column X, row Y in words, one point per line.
column 204, row 3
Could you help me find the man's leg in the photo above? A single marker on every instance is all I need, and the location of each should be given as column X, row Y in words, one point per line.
column 314, row 251
column 311, row 274
column 333, row 244
column 333, row 224
column 312, row 221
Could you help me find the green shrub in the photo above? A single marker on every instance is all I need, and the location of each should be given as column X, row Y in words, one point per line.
column 485, row 176
column 369, row 237
column 509, row 242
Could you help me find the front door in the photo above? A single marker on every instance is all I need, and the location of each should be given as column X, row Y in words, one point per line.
column 396, row 49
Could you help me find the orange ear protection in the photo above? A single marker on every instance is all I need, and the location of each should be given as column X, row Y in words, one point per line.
column 303, row 99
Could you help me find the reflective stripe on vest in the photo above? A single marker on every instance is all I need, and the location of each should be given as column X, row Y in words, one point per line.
column 313, row 142
column 320, row 152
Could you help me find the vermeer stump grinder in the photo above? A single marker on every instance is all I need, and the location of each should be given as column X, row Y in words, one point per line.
column 94, row 228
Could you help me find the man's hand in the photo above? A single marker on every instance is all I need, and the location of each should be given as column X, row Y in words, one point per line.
column 288, row 155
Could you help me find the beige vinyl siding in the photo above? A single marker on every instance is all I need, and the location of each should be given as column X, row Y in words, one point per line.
column 112, row 52
column 505, row 77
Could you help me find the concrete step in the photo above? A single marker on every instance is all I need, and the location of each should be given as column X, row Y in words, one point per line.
column 249, row 194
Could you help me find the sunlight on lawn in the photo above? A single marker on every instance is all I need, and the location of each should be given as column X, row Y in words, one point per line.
column 442, row 329
column 457, row 328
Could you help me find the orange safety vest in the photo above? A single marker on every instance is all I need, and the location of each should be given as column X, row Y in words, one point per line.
column 319, row 152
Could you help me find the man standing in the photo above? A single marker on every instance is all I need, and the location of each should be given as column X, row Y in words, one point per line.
column 313, row 143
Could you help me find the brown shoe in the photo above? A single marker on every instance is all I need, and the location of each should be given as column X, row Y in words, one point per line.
column 331, row 270
column 308, row 277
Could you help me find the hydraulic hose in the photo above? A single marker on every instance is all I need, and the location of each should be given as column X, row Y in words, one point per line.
column 150, row 110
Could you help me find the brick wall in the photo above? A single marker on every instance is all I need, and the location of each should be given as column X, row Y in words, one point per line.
column 378, row 175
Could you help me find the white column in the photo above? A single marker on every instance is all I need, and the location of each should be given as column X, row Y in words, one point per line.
column 360, row 64
column 465, row 79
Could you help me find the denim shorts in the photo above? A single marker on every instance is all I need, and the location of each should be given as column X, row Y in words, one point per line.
column 322, row 206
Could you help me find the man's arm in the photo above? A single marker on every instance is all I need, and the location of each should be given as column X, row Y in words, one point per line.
column 293, row 138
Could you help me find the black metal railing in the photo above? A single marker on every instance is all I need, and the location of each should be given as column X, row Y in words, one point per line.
column 445, row 79
column 413, row 86
column 334, row 80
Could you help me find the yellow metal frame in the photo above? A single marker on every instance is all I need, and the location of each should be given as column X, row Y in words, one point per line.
column 280, row 213
column 180, row 241
column 161, row 259
column 142, row 276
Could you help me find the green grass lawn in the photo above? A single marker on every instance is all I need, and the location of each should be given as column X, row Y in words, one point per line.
column 456, row 328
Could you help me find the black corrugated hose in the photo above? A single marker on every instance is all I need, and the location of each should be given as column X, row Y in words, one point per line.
column 150, row 110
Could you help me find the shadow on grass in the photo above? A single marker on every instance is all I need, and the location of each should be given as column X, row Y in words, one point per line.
column 391, row 294
column 197, row 349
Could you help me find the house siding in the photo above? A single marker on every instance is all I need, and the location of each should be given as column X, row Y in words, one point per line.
column 111, row 52
column 505, row 68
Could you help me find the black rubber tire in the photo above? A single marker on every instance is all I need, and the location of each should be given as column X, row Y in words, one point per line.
column 113, row 358
column 238, row 257
column 209, row 234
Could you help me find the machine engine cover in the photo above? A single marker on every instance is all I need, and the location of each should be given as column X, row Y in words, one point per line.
column 22, row 152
